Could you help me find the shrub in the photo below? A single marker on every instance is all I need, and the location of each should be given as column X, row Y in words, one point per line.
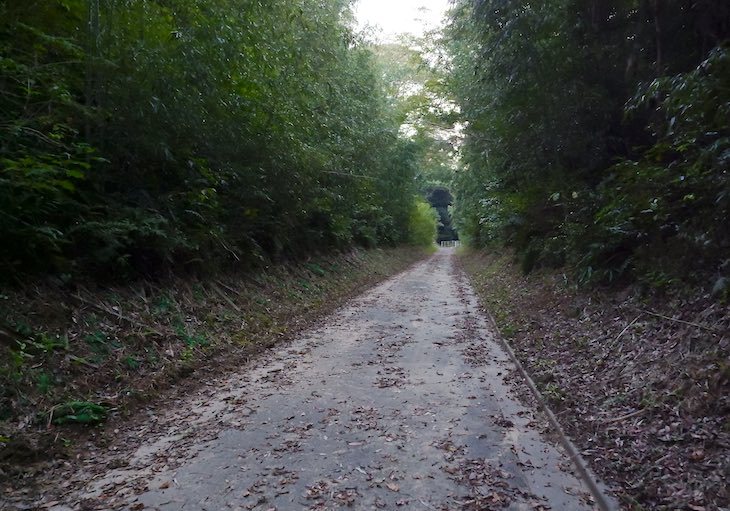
column 423, row 224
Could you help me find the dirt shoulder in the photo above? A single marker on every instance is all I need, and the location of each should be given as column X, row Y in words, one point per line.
column 74, row 357
column 641, row 383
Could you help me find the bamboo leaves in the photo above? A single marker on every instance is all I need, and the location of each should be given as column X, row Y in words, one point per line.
column 198, row 113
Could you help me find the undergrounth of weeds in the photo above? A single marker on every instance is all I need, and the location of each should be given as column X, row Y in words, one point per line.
column 71, row 358
column 641, row 383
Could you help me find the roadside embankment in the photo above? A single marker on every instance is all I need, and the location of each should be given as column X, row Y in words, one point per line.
column 640, row 382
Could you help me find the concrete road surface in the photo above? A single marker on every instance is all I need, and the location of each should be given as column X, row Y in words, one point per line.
column 400, row 400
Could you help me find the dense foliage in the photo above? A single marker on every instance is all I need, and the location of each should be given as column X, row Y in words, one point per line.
column 597, row 133
column 441, row 200
column 424, row 222
column 137, row 134
column 418, row 96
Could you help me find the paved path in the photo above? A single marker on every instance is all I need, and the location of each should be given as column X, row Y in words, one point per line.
column 402, row 400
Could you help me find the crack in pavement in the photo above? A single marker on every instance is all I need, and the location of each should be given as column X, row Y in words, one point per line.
column 398, row 401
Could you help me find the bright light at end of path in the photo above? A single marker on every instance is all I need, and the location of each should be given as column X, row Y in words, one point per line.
column 393, row 17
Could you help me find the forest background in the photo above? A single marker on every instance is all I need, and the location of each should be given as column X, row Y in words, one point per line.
column 597, row 136
column 139, row 137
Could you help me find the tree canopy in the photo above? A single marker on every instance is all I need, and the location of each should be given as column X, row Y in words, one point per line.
column 141, row 134
column 138, row 135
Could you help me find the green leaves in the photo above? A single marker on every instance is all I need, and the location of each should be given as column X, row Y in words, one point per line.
column 77, row 412
column 591, row 140
column 676, row 191
column 216, row 131
column 423, row 224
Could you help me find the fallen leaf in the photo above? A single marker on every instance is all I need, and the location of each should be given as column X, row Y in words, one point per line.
column 697, row 455
column 392, row 486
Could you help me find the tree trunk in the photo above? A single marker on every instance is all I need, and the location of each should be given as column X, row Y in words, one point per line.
column 655, row 7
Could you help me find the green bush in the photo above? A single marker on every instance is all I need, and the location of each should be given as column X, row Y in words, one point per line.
column 423, row 224
column 667, row 210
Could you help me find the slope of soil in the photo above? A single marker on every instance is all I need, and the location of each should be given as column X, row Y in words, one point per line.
column 640, row 383
column 80, row 355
